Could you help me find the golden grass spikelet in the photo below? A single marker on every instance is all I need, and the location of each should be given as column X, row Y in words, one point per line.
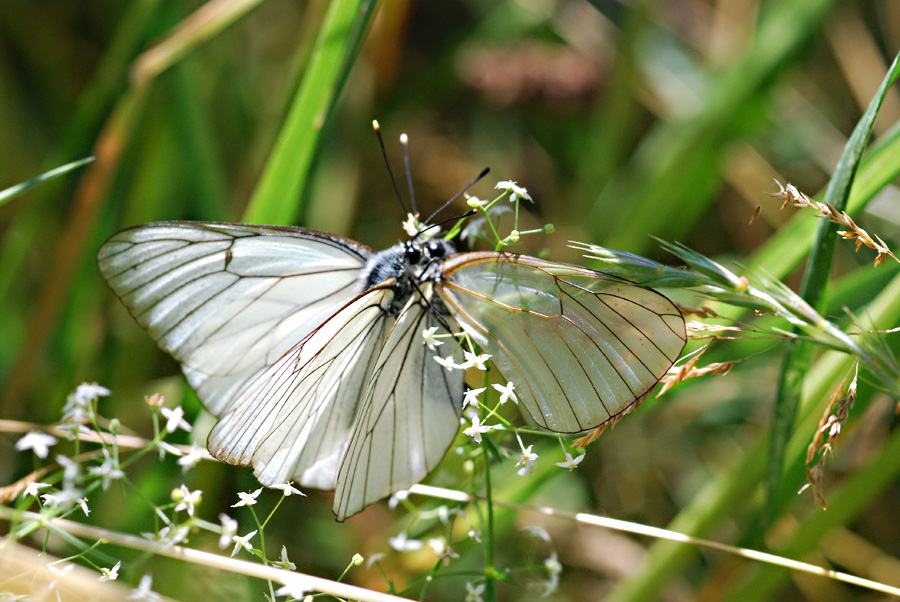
column 677, row 374
column 835, row 415
column 793, row 197
column 594, row 434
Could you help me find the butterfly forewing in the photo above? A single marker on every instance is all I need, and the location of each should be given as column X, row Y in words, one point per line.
column 227, row 300
column 580, row 346
column 408, row 418
column 293, row 422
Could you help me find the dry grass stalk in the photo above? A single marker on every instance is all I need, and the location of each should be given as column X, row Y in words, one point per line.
column 677, row 374
column 793, row 197
column 594, row 434
column 835, row 416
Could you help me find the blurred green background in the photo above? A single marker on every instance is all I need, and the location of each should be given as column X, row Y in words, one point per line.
column 623, row 120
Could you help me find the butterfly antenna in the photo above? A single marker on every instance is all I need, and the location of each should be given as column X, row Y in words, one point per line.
column 468, row 213
column 387, row 164
column 483, row 173
column 404, row 141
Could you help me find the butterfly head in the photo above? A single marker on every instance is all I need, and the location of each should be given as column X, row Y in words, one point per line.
column 409, row 263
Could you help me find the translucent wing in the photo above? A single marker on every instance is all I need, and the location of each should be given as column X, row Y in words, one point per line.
column 293, row 421
column 580, row 346
column 408, row 418
column 228, row 300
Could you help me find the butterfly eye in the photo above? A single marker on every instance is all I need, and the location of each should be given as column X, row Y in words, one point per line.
column 436, row 250
column 413, row 254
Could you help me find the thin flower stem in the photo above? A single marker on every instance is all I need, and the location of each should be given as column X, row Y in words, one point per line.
column 271, row 514
column 262, row 544
column 489, row 532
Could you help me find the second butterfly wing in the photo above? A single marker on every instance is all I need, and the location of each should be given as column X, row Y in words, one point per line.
column 580, row 346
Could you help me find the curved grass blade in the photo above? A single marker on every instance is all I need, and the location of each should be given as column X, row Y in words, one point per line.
column 798, row 354
column 286, row 175
column 19, row 189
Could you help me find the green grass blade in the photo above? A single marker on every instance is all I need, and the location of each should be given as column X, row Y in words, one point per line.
column 19, row 189
column 285, row 178
column 798, row 354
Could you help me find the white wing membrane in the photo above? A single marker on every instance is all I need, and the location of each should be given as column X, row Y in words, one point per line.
column 293, row 421
column 580, row 346
column 228, row 300
column 408, row 419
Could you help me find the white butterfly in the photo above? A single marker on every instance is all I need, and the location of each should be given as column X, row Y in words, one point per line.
column 309, row 347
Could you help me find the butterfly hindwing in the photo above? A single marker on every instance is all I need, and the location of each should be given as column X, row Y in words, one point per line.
column 408, row 418
column 579, row 345
column 293, row 422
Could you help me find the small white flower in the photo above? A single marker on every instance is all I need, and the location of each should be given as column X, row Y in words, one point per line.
column 402, row 543
column 70, row 469
column 33, row 488
column 143, row 591
column 446, row 362
column 475, row 431
column 285, row 563
column 88, row 392
column 289, row 489
column 357, row 559
column 65, row 499
column 471, row 397
column 295, row 586
column 79, row 406
column 475, row 361
column 192, row 458
column 476, row 535
column 229, row 530
column 412, row 226
column 554, row 568
column 109, row 470
column 515, row 191
column 397, row 497
column 242, row 542
column 189, row 500
column 168, row 448
column 474, row 202
column 84, row 507
column 110, row 574
column 442, row 550
column 570, row 462
column 60, row 572
column 526, row 462
column 39, row 443
column 168, row 536
column 247, row 499
column 175, row 419
column 473, row 592
column 506, row 393
column 537, row 531
column 430, row 339
column 374, row 559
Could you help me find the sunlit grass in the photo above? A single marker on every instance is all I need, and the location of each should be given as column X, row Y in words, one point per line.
column 668, row 124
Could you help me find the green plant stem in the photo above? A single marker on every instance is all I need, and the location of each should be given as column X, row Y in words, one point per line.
column 489, row 533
